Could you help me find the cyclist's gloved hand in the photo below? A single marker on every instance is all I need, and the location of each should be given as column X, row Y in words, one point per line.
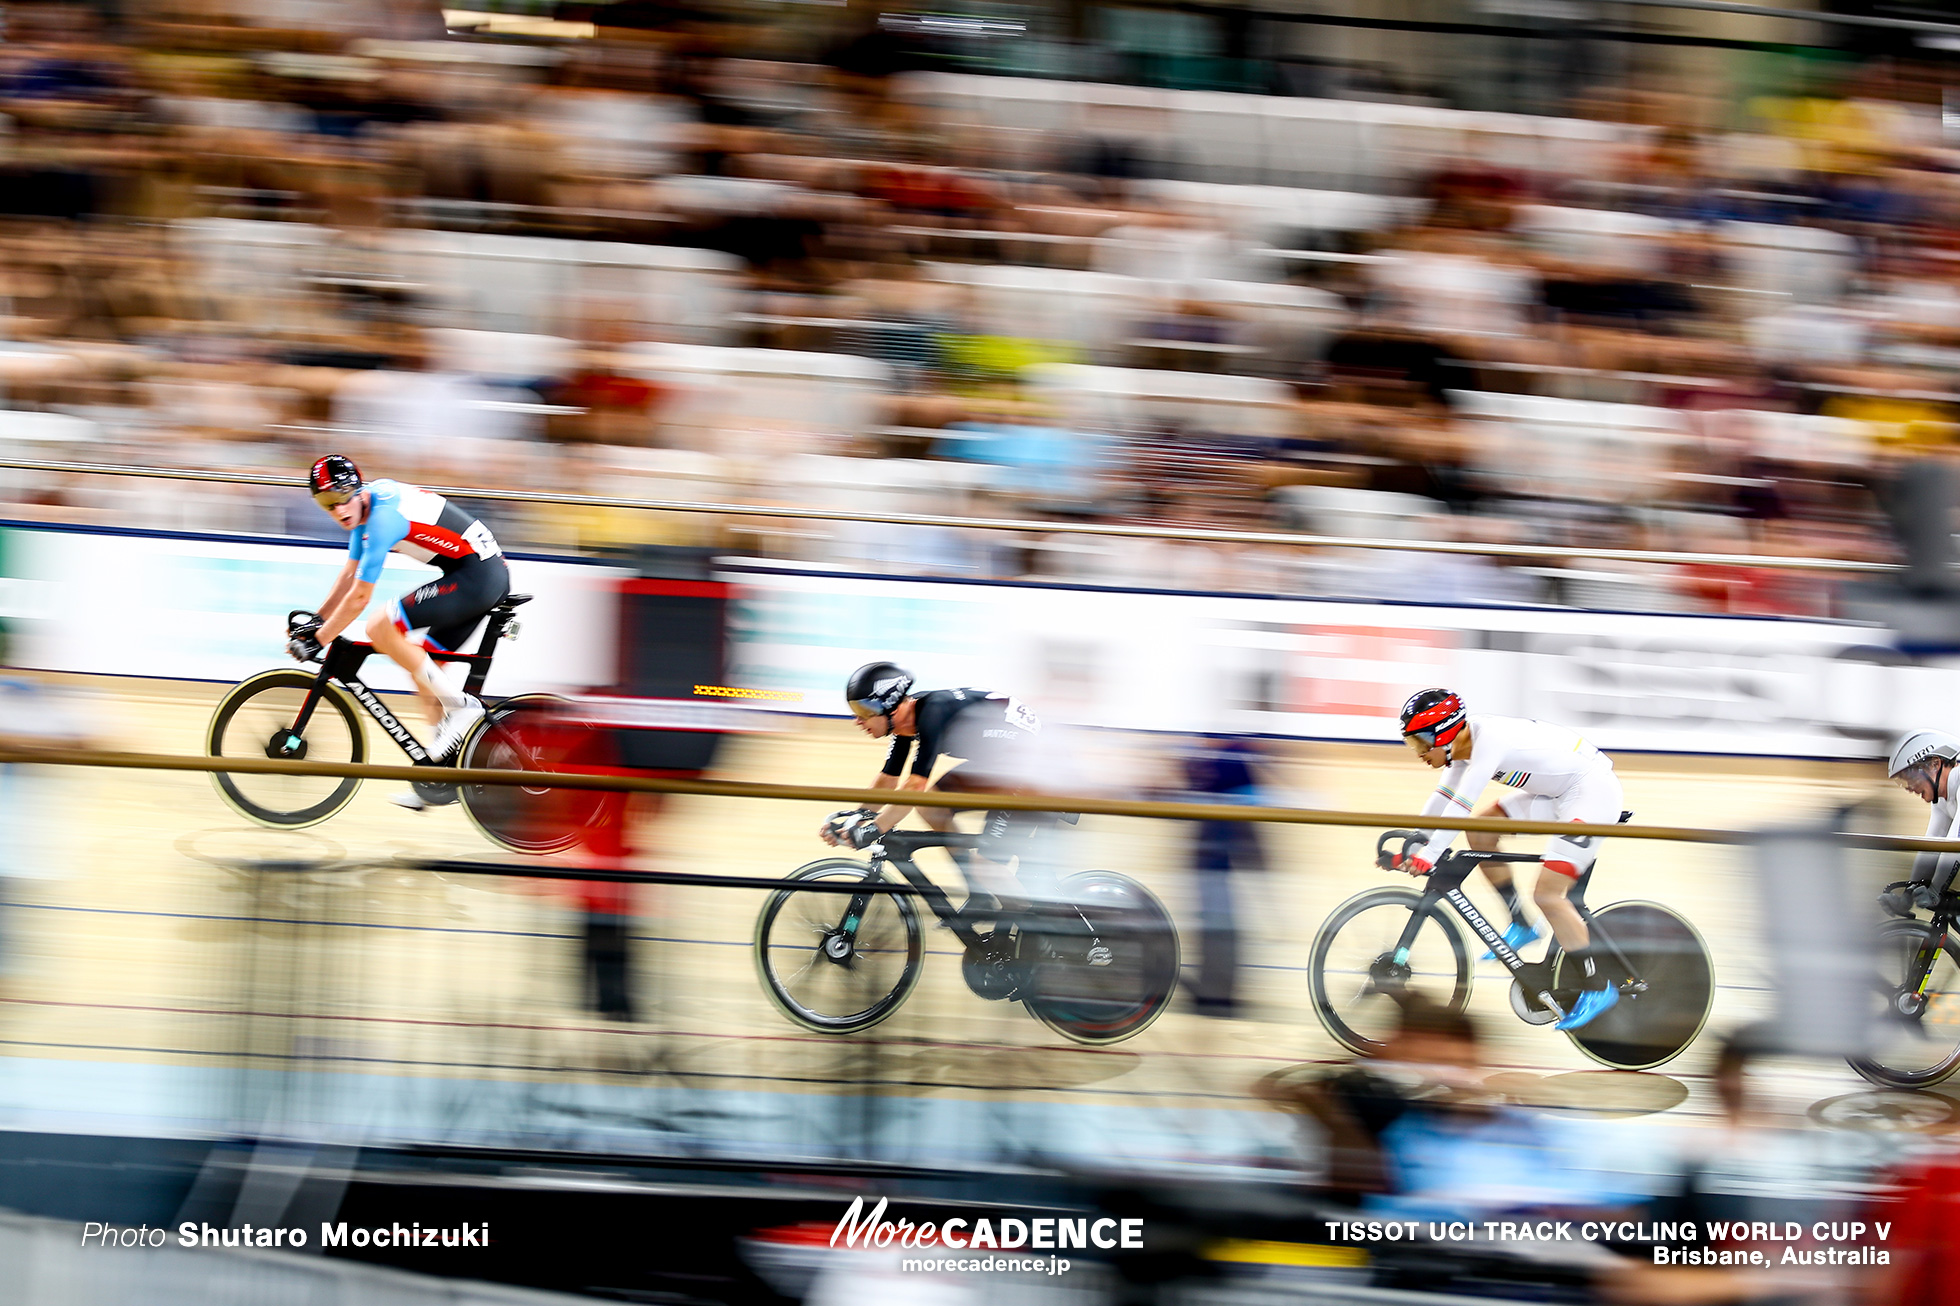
column 304, row 647
column 833, row 824
column 1411, row 863
column 1902, row 900
column 855, row 828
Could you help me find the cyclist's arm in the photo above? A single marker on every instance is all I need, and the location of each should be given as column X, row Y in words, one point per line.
column 1928, row 868
column 892, row 813
column 1454, row 796
column 341, row 584
column 367, row 554
column 352, row 604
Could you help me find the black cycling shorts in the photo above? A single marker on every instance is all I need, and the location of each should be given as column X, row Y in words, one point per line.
column 447, row 609
column 1004, row 835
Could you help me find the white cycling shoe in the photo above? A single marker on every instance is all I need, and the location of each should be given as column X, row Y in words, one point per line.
column 456, row 723
column 410, row 799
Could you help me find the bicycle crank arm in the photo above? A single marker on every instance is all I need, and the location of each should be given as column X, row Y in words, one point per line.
column 1550, row 1003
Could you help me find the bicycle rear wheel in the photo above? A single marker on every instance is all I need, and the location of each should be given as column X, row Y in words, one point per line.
column 534, row 732
column 1653, row 1025
column 1110, row 963
column 254, row 719
column 1359, row 987
column 826, row 972
column 1920, row 1047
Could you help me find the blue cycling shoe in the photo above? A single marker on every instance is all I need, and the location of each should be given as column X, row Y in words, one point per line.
column 1591, row 1005
column 1515, row 939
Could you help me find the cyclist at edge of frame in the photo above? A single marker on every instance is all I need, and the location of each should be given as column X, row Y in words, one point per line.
column 387, row 516
column 1553, row 775
column 997, row 741
column 1922, row 764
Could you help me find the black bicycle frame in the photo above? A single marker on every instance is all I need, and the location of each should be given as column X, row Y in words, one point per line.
column 1444, row 884
column 896, row 850
column 342, row 665
column 1928, row 953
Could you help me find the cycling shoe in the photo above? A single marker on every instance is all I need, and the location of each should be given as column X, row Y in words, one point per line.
column 1592, row 1004
column 1515, row 939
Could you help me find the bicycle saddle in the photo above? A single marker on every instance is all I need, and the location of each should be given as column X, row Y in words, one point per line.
column 510, row 601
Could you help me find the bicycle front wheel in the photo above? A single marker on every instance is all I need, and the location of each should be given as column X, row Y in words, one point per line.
column 1653, row 944
column 1111, row 964
column 827, row 971
column 1921, row 1046
column 255, row 719
column 1358, row 983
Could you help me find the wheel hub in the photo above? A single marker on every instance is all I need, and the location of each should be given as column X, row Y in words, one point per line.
column 285, row 746
column 1909, row 1004
column 838, row 948
column 1388, row 974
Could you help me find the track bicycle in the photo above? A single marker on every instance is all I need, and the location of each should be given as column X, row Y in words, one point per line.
column 302, row 715
column 1916, row 1041
column 1382, row 947
column 1097, row 967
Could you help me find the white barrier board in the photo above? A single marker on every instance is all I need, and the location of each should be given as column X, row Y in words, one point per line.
column 214, row 609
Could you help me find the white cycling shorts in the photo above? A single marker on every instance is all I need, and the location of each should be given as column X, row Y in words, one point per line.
column 1596, row 799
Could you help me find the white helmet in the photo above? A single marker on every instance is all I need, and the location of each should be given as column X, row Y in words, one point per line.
column 1920, row 745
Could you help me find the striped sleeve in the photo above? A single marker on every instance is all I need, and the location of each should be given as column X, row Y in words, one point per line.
column 1455, row 796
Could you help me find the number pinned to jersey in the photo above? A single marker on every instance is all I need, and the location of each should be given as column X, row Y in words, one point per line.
column 1021, row 717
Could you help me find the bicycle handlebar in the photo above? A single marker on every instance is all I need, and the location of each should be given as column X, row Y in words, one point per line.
column 1412, row 839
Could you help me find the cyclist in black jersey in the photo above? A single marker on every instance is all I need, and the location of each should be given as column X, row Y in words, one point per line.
column 995, row 739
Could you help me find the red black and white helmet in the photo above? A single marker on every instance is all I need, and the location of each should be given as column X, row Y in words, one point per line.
column 1434, row 716
column 334, row 479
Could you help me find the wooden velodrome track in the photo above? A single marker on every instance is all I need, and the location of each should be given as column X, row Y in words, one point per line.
column 157, row 983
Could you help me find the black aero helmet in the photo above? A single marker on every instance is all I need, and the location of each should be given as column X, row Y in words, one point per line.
column 877, row 688
column 334, row 479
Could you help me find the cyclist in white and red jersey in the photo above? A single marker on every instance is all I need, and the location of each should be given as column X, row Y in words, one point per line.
column 1553, row 775
column 387, row 516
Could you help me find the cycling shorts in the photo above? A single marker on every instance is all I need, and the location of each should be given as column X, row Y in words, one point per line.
column 1596, row 799
column 448, row 608
column 1004, row 835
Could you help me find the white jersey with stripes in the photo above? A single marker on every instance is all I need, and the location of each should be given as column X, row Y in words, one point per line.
column 1535, row 757
column 1943, row 822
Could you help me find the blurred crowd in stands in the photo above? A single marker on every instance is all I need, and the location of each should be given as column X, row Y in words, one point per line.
column 719, row 261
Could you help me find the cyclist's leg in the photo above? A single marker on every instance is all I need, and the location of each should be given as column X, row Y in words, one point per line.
column 1011, row 837
column 1595, row 800
column 446, row 610
column 1519, row 807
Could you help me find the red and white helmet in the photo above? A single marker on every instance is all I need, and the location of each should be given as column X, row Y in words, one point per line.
column 1434, row 716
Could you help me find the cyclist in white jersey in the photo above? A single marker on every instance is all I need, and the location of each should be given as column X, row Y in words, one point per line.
column 1553, row 775
column 1922, row 764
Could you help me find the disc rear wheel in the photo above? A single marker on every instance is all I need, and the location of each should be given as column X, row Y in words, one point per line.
column 535, row 732
column 1107, row 959
column 1651, row 1024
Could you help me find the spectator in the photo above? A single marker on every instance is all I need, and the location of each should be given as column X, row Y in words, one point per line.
column 1219, row 769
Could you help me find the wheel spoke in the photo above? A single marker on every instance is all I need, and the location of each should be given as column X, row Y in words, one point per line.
column 1355, row 1004
column 246, row 728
